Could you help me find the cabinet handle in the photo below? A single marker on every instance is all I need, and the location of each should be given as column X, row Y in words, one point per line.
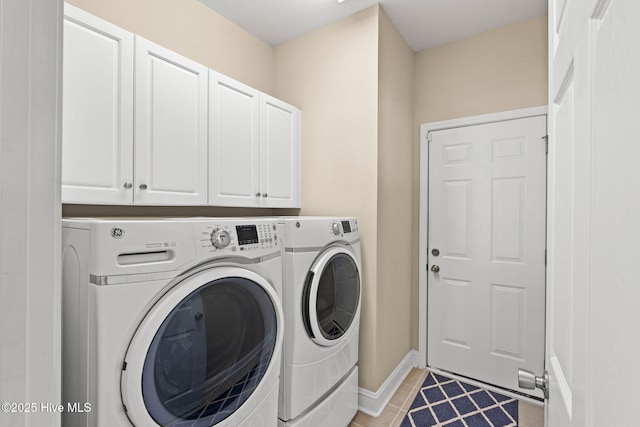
column 264, row 195
column 128, row 185
column 143, row 186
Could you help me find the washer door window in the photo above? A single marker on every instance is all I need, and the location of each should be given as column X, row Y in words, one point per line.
column 202, row 350
column 332, row 296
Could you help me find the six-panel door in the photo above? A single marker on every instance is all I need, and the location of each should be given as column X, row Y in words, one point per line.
column 487, row 239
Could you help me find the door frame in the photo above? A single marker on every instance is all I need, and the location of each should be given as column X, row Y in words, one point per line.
column 423, row 234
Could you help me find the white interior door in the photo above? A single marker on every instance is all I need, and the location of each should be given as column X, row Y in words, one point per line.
column 568, row 215
column 487, row 207
column 592, row 317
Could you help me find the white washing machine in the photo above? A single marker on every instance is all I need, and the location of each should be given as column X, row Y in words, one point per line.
column 321, row 301
column 173, row 322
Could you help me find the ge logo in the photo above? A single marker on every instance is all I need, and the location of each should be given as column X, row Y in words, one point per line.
column 117, row 232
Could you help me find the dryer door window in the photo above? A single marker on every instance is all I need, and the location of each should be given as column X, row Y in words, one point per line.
column 209, row 354
column 332, row 293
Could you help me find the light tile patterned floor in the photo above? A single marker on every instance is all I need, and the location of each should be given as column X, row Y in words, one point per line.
column 398, row 406
column 402, row 402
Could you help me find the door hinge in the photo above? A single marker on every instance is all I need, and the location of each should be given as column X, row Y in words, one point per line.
column 545, row 257
column 428, row 136
column 546, row 143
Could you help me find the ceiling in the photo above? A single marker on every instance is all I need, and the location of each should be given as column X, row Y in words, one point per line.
column 422, row 23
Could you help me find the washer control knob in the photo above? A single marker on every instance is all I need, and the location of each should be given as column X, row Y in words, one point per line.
column 220, row 238
column 335, row 227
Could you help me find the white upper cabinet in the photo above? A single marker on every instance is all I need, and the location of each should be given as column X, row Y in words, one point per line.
column 97, row 110
column 279, row 153
column 145, row 125
column 234, row 145
column 254, row 151
column 170, row 128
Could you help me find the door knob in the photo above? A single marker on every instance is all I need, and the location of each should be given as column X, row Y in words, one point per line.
column 435, row 268
column 528, row 380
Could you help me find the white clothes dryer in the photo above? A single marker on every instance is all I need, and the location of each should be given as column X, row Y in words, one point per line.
column 172, row 322
column 321, row 301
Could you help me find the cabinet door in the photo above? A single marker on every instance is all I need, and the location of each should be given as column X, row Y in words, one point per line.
column 279, row 153
column 97, row 110
column 234, row 112
column 171, row 127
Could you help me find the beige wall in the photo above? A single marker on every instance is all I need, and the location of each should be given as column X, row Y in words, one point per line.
column 498, row 70
column 331, row 74
column 195, row 31
column 353, row 81
column 395, row 145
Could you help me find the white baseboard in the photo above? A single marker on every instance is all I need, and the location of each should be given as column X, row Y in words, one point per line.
column 373, row 403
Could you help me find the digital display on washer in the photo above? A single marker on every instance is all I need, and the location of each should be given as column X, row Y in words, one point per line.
column 247, row 234
column 346, row 227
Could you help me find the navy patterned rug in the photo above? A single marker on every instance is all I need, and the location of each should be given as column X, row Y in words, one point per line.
column 446, row 402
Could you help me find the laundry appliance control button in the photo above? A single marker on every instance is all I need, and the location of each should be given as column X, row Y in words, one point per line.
column 335, row 227
column 220, row 238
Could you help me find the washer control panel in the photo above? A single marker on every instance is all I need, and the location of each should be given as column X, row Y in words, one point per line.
column 233, row 237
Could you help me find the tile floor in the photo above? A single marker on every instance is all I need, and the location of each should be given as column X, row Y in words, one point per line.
column 529, row 415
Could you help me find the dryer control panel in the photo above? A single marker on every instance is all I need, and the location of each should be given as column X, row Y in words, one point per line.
column 343, row 227
column 239, row 237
